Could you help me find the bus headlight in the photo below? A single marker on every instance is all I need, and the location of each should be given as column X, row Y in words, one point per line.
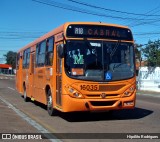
column 129, row 91
column 73, row 92
column 76, row 94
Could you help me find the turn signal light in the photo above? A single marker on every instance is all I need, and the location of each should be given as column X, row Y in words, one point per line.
column 129, row 91
column 73, row 92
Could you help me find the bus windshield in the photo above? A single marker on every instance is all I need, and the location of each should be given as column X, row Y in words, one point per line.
column 99, row 60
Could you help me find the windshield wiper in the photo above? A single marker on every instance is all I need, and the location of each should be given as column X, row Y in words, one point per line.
column 114, row 49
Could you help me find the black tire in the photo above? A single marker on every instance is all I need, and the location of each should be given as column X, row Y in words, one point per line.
column 50, row 109
column 26, row 99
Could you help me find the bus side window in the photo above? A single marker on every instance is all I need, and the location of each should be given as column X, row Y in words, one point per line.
column 26, row 58
column 49, row 52
column 40, row 54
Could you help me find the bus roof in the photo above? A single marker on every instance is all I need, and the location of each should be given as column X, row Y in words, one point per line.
column 61, row 29
column 55, row 31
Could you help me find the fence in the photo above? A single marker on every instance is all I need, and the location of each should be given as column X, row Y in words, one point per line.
column 149, row 79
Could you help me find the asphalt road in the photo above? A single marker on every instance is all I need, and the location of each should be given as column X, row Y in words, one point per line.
column 19, row 117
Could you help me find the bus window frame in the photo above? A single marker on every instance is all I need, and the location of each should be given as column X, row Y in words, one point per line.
column 48, row 61
column 46, row 53
column 26, row 58
column 39, row 53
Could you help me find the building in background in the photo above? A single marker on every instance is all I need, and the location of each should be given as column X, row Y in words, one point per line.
column 6, row 69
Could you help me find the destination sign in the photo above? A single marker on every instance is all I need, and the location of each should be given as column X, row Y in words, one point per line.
column 96, row 31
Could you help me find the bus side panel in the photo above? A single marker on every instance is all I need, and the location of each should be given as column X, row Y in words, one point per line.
column 39, row 85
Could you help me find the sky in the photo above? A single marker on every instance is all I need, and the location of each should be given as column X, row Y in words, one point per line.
column 22, row 21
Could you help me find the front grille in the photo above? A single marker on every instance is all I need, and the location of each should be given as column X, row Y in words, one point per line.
column 99, row 95
column 102, row 103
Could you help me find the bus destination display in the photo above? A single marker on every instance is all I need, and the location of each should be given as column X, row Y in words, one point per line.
column 96, row 31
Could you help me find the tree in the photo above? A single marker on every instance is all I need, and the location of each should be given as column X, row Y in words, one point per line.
column 152, row 53
column 138, row 52
column 11, row 58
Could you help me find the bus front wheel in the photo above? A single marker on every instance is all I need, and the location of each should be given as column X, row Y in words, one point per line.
column 50, row 109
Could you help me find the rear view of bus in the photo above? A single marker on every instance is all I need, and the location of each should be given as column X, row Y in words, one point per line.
column 97, row 68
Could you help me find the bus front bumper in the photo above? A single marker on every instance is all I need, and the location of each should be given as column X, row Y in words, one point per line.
column 74, row 104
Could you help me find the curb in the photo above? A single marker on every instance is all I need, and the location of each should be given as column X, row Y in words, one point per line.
column 148, row 93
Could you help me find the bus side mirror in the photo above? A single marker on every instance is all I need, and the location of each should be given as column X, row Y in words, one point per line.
column 60, row 49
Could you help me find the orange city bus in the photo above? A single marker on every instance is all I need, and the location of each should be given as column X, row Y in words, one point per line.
column 79, row 66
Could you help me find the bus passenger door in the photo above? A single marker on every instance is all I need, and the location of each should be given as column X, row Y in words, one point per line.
column 19, row 83
column 31, row 75
column 58, row 80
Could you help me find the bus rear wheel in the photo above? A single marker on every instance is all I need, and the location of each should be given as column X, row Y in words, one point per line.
column 25, row 95
column 50, row 109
